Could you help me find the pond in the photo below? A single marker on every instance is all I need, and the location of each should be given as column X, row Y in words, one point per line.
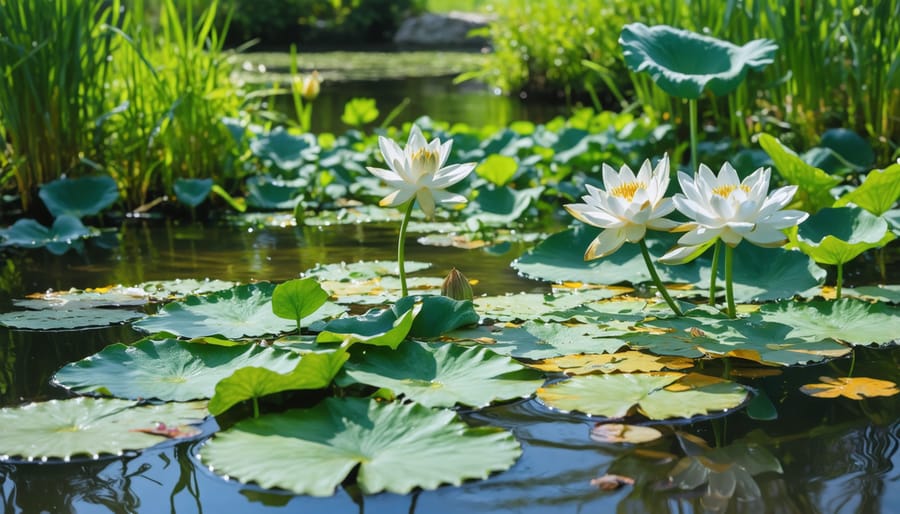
column 816, row 455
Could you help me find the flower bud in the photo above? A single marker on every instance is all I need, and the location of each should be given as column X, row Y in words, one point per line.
column 456, row 286
column 311, row 86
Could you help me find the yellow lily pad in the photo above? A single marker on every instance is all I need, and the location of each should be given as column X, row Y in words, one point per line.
column 855, row 388
column 624, row 362
column 619, row 433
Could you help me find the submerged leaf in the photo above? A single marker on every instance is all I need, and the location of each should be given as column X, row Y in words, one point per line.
column 88, row 426
column 855, row 388
column 396, row 448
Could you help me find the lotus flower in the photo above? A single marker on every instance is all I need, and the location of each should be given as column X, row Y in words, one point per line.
column 418, row 172
column 723, row 207
column 627, row 208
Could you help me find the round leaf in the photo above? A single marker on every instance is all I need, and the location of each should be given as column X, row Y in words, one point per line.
column 65, row 234
column 838, row 235
column 878, row 193
column 849, row 320
column 444, row 375
column 397, row 448
column 88, row 426
column 499, row 169
column 66, row 319
column 297, row 299
column 79, row 197
column 854, row 388
column 192, row 191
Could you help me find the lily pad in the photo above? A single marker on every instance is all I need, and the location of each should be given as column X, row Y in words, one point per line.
column 878, row 193
column 379, row 291
column 500, row 206
column 285, row 150
column 765, row 274
column 378, row 327
column 179, row 288
column 438, row 315
column 854, row 388
column 684, row 63
column 67, row 319
column 616, row 433
column 264, row 192
column 498, row 169
column 192, row 191
column 297, row 299
column 315, row 370
column 395, row 448
column 838, row 235
column 66, row 234
column 814, row 185
column 621, row 362
column 169, row 370
column 243, row 311
column 111, row 296
column 849, row 320
column 537, row 306
column 881, row 293
column 444, row 375
column 354, row 215
column 362, row 270
column 542, row 340
column 62, row 429
column 79, row 197
column 657, row 396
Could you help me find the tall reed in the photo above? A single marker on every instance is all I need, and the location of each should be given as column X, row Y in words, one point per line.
column 54, row 55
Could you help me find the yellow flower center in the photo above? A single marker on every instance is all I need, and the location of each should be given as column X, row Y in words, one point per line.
column 725, row 191
column 426, row 160
column 628, row 189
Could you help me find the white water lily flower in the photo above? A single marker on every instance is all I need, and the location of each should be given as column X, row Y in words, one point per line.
column 627, row 208
column 418, row 171
column 723, row 207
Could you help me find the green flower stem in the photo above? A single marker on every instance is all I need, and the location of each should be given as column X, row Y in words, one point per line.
column 852, row 362
column 729, row 282
column 401, row 243
column 717, row 247
column 693, row 114
column 659, row 285
column 255, row 407
column 840, row 282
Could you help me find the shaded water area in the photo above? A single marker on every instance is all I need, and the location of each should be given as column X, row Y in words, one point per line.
column 835, row 455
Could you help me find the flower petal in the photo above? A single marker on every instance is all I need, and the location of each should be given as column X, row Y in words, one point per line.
column 605, row 244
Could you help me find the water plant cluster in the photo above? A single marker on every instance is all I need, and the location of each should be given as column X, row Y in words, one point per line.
column 368, row 376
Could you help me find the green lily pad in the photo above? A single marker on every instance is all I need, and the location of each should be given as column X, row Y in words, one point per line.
column 498, row 169
column 396, row 448
column 79, row 197
column 359, row 111
column 66, row 318
column 66, row 233
column 169, row 370
column 179, row 288
column 537, row 306
column 878, row 193
column 500, row 206
column 814, row 185
column 439, row 314
column 285, row 150
column 297, row 299
column 838, row 235
column 444, row 375
column 849, row 320
column 881, row 293
column 243, row 311
column 684, row 63
column 765, row 274
column 62, row 429
column 113, row 296
column 663, row 395
column 314, row 371
column 192, row 191
column 379, row 291
column 264, row 192
column 363, row 270
column 849, row 148
column 535, row 340
column 378, row 327
column 354, row 215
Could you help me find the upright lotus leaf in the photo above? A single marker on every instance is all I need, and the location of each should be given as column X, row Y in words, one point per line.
column 838, row 235
column 377, row 327
column 534, row 340
column 192, row 191
column 315, row 370
column 438, row 314
column 242, row 311
column 297, row 299
column 663, row 395
column 62, row 429
column 498, row 169
column 854, row 388
column 395, row 447
column 444, row 375
column 849, row 320
column 264, row 192
column 65, row 234
column 878, row 193
column 79, row 197
column 169, row 370
column 285, row 150
column 684, row 63
column 848, row 148
column 814, row 185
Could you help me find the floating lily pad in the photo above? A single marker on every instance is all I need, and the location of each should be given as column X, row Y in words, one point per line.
column 396, row 448
column 353, row 215
column 285, row 150
column 498, row 169
column 617, row 433
column 765, row 274
column 67, row 319
column 179, row 288
column 500, row 206
column 314, row 371
column 536, row 306
column 79, row 197
column 854, row 388
column 444, row 375
column 541, row 341
column 853, row 321
column 655, row 395
column 622, row 362
column 243, row 311
column 61, row 429
column 378, row 327
column 112, row 296
column 363, row 270
column 169, row 369
column 379, row 291
column 265, row 192
column 66, row 234
column 882, row 293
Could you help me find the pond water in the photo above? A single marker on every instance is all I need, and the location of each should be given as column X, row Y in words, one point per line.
column 835, row 455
